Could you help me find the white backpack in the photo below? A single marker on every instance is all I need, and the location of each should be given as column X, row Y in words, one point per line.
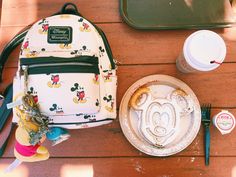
column 67, row 66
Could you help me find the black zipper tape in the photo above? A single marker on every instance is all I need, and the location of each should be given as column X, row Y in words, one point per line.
column 48, row 60
column 79, row 123
column 63, row 69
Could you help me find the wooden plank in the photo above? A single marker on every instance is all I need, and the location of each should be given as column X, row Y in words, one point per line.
column 24, row 12
column 109, row 141
column 131, row 46
column 116, row 167
column 210, row 87
column 126, row 78
column 28, row 11
column 221, row 81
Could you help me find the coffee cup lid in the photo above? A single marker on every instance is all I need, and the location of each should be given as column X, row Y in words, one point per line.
column 204, row 50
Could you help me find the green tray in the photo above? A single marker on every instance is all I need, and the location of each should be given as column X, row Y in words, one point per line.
column 177, row 14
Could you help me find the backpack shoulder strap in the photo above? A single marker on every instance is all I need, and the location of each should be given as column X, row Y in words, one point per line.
column 4, row 111
column 4, row 114
column 10, row 47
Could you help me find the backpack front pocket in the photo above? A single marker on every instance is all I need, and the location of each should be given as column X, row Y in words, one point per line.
column 63, row 86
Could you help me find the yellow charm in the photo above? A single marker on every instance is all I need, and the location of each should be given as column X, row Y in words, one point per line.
column 65, row 46
column 110, row 109
column 42, row 32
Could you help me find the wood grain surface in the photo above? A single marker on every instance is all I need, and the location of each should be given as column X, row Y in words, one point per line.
column 123, row 166
column 104, row 151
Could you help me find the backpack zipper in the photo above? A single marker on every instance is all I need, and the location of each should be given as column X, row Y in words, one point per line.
column 50, row 59
column 25, row 74
column 58, row 64
column 48, row 68
column 56, row 68
column 48, row 65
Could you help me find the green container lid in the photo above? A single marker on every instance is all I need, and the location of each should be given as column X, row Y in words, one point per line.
column 177, row 14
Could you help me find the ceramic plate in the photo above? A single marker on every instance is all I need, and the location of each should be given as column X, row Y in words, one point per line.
column 160, row 115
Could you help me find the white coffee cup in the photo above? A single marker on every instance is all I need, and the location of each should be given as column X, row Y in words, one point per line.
column 203, row 50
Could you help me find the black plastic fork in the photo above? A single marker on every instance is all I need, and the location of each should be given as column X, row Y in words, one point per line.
column 206, row 120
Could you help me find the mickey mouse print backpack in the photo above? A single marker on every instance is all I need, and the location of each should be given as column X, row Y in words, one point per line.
column 66, row 75
column 67, row 66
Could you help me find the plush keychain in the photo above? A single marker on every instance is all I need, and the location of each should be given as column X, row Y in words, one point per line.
column 32, row 130
column 26, row 152
column 30, row 133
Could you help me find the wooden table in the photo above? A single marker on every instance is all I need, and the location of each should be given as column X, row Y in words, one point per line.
column 104, row 151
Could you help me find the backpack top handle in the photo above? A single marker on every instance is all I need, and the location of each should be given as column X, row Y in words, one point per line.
column 66, row 9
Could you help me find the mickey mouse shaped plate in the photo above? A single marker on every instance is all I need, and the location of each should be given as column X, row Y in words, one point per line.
column 160, row 115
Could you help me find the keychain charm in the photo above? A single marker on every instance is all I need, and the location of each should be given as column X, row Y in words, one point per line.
column 32, row 120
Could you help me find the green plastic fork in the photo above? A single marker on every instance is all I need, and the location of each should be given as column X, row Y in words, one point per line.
column 206, row 120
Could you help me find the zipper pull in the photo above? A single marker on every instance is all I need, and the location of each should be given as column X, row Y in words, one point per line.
column 25, row 70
